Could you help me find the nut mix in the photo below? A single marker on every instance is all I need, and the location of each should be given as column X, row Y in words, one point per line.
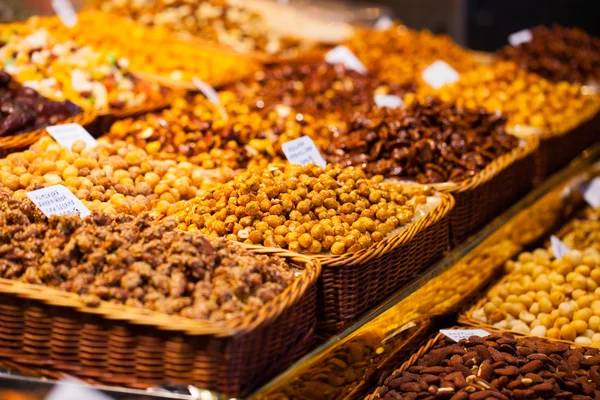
column 305, row 209
column 498, row 367
column 429, row 142
column 63, row 70
column 558, row 54
column 524, row 98
column 149, row 50
column 24, row 110
column 113, row 177
column 543, row 296
column 137, row 261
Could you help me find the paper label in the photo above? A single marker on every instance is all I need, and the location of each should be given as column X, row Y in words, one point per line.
column 75, row 391
column 57, row 200
column 559, row 248
column 67, row 134
column 343, row 55
column 65, row 12
column 384, row 23
column 303, row 151
column 458, row 334
column 208, row 91
column 520, row 37
column 591, row 193
column 387, row 100
column 439, row 74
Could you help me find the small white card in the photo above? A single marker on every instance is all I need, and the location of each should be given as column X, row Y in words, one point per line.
column 591, row 193
column 384, row 23
column 439, row 74
column 458, row 334
column 520, row 37
column 388, row 100
column 65, row 12
column 67, row 134
column 559, row 248
column 208, row 91
column 57, row 200
column 303, row 151
column 343, row 55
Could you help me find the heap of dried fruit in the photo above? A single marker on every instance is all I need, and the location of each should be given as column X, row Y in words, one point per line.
column 140, row 262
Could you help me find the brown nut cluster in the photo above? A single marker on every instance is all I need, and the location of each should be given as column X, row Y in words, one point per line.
column 499, row 367
column 306, row 209
column 113, row 177
column 400, row 54
column 137, row 261
column 558, row 54
column 543, row 296
column 428, row 141
column 526, row 99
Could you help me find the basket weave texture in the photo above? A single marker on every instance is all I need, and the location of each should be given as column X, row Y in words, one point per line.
column 115, row 344
column 351, row 284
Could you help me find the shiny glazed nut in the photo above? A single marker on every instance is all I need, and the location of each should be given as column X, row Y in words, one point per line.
column 497, row 367
column 305, row 209
column 429, row 142
column 141, row 262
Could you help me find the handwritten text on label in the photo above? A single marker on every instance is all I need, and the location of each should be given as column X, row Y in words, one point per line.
column 458, row 334
column 303, row 151
column 67, row 134
column 57, row 200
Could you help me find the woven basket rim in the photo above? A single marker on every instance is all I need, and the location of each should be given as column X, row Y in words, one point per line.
column 143, row 317
column 392, row 242
column 147, row 106
column 21, row 140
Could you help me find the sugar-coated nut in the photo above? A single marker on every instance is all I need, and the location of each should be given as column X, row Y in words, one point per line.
column 538, row 331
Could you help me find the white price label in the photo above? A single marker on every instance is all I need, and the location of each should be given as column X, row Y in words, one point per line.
column 591, row 193
column 303, row 151
column 57, row 200
column 520, row 37
column 387, row 100
column 384, row 23
column 75, row 390
column 458, row 334
column 439, row 74
column 65, row 12
column 343, row 55
column 208, row 91
column 559, row 248
column 67, row 134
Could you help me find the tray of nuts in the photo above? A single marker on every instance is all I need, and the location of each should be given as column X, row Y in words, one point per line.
column 25, row 114
column 132, row 301
column 497, row 366
column 371, row 237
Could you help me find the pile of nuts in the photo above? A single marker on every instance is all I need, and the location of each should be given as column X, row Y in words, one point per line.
column 305, row 209
column 558, row 54
column 137, row 261
column 544, row 296
column 526, row 99
column 497, row 367
column 429, row 142
column 113, row 177
column 24, row 110
column 217, row 21
column 400, row 54
column 152, row 51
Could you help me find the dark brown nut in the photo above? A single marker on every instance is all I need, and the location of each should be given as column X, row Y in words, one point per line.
column 532, row 367
column 510, row 371
column 487, row 394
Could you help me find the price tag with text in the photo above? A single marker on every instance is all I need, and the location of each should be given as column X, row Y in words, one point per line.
column 57, row 200
column 591, row 193
column 303, row 151
column 458, row 334
column 439, row 74
column 65, row 12
column 384, row 23
column 520, row 37
column 67, row 134
column 559, row 248
column 387, row 100
column 343, row 55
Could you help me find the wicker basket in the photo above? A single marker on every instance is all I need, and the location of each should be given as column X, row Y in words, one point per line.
column 488, row 193
column 10, row 144
column 116, row 344
column 353, row 283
